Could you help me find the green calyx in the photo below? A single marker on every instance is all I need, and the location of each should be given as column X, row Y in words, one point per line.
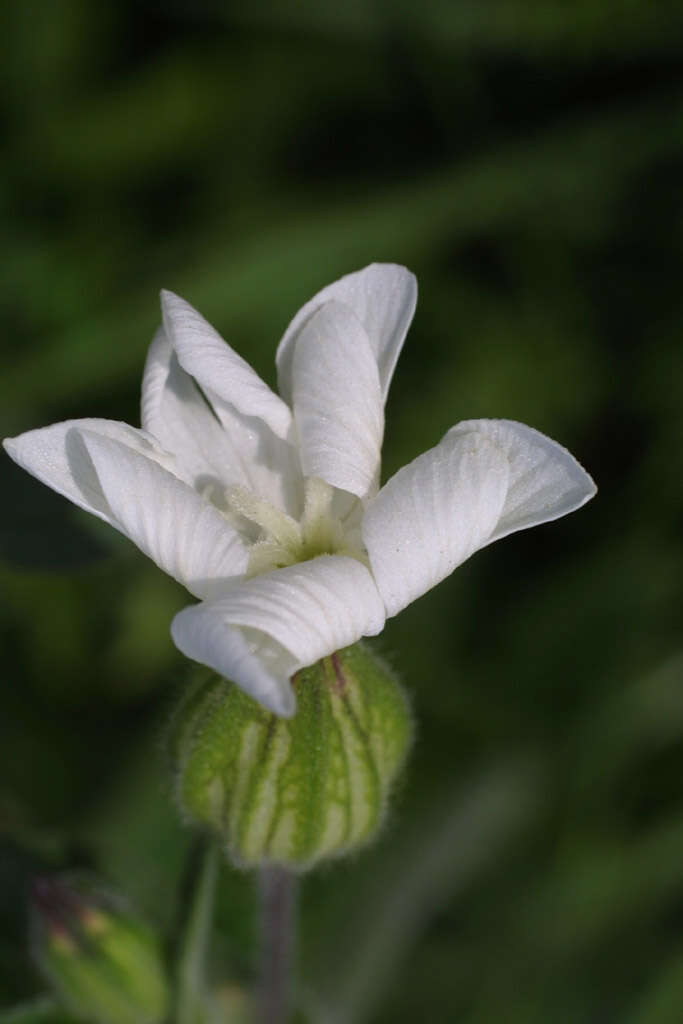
column 294, row 791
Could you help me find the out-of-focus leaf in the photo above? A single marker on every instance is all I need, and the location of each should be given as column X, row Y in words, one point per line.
column 661, row 1003
column 40, row 1011
column 514, row 23
column 318, row 245
column 454, row 841
column 38, row 529
column 638, row 722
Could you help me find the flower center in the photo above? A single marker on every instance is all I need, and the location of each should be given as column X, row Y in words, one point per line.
column 283, row 540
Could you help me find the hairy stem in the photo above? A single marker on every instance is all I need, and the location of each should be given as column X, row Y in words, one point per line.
column 278, row 897
column 196, row 932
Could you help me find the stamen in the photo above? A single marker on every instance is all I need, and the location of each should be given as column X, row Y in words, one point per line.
column 276, row 524
column 318, row 497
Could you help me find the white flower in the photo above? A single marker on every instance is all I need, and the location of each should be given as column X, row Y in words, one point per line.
column 269, row 510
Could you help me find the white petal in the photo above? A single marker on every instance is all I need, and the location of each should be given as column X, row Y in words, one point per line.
column 176, row 414
column 223, row 375
column 47, row 455
column 486, row 479
column 433, row 514
column 260, row 668
column 265, row 629
column 257, row 424
column 382, row 296
column 186, row 536
column 546, row 482
column 337, row 401
column 120, row 475
column 214, row 455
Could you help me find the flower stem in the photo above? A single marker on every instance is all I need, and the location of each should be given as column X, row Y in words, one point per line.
column 278, row 898
column 195, row 938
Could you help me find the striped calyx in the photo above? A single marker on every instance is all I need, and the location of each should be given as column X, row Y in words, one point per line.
column 103, row 963
column 293, row 791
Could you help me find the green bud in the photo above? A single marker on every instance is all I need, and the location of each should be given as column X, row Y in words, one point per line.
column 104, row 963
column 294, row 791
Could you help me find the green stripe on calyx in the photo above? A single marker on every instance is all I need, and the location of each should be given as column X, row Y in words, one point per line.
column 295, row 791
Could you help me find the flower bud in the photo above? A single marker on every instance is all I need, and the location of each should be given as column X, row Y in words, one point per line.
column 104, row 964
column 294, row 791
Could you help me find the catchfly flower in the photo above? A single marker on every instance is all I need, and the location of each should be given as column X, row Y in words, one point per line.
column 269, row 509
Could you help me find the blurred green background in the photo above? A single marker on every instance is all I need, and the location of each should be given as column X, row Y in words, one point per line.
column 525, row 161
